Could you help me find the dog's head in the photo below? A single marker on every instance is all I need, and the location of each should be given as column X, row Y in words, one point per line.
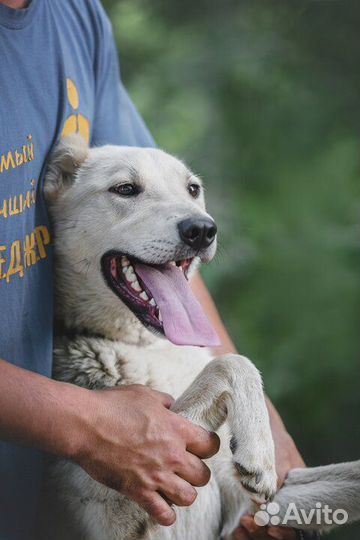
column 130, row 225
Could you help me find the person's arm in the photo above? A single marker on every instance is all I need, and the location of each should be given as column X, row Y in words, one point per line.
column 124, row 437
column 286, row 453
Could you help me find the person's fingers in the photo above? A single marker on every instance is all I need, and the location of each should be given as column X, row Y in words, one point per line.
column 253, row 530
column 178, row 491
column 165, row 398
column 194, row 471
column 240, row 534
column 201, row 442
column 156, row 506
column 281, row 532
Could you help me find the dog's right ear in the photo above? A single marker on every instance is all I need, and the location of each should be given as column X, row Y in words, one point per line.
column 66, row 158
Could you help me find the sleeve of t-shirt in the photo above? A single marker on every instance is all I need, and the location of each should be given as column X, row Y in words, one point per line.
column 116, row 120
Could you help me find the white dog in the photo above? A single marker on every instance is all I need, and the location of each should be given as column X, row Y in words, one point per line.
column 130, row 227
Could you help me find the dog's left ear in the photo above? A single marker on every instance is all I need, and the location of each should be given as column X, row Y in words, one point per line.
column 66, row 158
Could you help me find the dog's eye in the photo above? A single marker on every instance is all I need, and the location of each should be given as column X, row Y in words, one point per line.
column 125, row 190
column 194, row 190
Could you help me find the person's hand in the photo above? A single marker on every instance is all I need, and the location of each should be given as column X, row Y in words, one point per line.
column 248, row 530
column 287, row 457
column 134, row 444
column 125, row 437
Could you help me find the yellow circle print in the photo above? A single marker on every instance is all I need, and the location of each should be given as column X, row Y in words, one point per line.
column 75, row 123
column 72, row 94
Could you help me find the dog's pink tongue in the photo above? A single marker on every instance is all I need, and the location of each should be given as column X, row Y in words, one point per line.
column 184, row 321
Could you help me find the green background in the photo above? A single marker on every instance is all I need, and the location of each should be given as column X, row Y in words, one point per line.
column 261, row 99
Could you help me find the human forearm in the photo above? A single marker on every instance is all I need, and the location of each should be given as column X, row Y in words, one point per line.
column 287, row 455
column 125, row 437
column 39, row 412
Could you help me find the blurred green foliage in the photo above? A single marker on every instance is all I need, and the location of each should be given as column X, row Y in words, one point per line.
column 261, row 99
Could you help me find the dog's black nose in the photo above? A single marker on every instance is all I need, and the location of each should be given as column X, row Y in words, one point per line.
column 197, row 233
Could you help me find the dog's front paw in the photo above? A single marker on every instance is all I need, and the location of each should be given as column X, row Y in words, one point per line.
column 258, row 479
column 251, row 443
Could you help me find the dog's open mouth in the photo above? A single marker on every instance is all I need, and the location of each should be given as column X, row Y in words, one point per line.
column 161, row 298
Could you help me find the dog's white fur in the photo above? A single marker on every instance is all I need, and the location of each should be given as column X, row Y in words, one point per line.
column 336, row 485
column 101, row 343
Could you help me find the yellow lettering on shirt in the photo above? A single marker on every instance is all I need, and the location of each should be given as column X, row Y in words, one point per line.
column 20, row 255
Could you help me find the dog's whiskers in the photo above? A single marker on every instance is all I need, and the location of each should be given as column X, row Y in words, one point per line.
column 84, row 262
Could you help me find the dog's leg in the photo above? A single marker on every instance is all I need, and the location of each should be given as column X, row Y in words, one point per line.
column 311, row 490
column 230, row 388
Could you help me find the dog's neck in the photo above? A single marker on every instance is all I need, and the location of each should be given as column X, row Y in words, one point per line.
column 78, row 312
column 140, row 336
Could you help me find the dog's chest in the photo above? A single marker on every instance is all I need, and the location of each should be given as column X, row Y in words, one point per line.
column 98, row 363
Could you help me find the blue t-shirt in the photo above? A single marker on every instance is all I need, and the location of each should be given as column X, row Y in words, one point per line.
column 58, row 75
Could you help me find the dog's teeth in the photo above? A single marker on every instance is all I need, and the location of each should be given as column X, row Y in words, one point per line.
column 152, row 302
column 144, row 296
column 135, row 285
column 130, row 274
column 128, row 270
column 124, row 261
column 160, row 317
